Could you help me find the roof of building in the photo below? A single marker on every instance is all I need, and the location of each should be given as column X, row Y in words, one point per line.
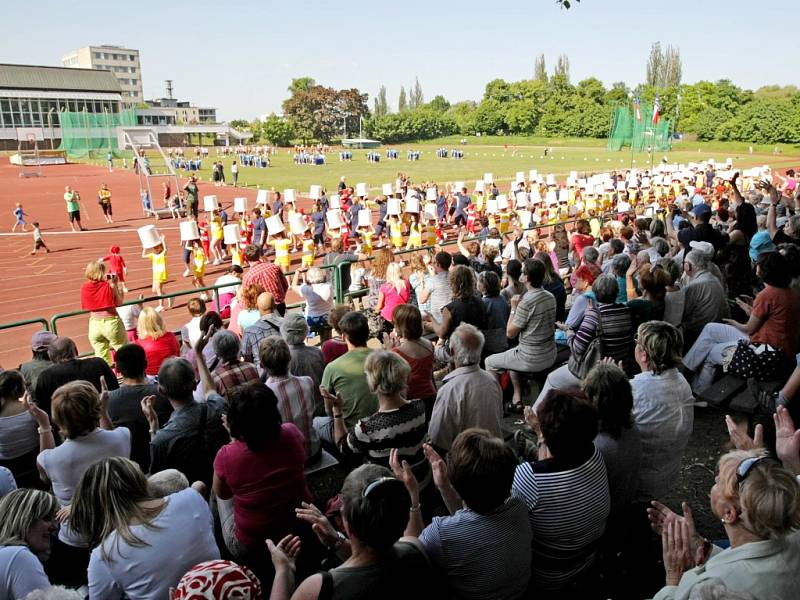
column 32, row 77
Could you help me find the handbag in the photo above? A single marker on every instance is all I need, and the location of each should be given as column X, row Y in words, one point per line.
column 580, row 367
column 761, row 362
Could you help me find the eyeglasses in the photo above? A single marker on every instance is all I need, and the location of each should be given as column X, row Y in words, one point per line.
column 743, row 470
column 376, row 484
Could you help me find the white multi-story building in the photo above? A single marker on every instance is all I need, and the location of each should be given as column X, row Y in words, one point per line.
column 122, row 62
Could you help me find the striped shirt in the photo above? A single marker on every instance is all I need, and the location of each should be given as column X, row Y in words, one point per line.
column 536, row 317
column 296, row 405
column 403, row 428
column 482, row 556
column 567, row 510
column 617, row 338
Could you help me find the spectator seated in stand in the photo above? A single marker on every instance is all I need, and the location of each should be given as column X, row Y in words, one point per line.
column 378, row 561
column 40, row 344
column 190, row 332
column 125, row 403
column 566, row 493
column 295, row 394
column 67, row 367
column 230, row 371
column 27, row 523
column 469, row 396
column 758, row 502
column 158, row 343
column 19, row 440
column 306, row 360
column 142, row 544
column 258, row 476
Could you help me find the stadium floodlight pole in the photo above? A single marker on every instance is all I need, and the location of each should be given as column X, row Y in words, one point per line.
column 108, row 125
column 50, row 127
column 633, row 125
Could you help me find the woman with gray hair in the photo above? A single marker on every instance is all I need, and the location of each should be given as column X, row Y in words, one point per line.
column 27, row 521
column 230, row 372
column 398, row 423
column 605, row 320
column 306, row 360
column 318, row 294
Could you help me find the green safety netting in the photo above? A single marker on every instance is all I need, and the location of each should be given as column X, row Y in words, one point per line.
column 640, row 134
column 85, row 134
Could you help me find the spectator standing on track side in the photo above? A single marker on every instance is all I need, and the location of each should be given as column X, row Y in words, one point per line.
column 234, row 174
column 104, row 200
column 72, row 198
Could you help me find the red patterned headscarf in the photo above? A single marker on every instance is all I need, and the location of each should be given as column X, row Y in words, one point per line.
column 218, row 580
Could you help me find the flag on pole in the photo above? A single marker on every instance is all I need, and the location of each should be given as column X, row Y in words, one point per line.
column 656, row 110
column 637, row 108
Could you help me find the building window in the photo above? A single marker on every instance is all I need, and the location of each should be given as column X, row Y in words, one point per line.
column 98, row 55
column 133, row 69
column 134, row 81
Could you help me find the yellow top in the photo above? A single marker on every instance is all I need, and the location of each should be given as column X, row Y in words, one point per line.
column 282, row 251
column 415, row 235
column 104, row 195
column 366, row 241
column 308, row 252
column 216, row 228
column 396, row 230
column 505, row 218
column 159, row 262
column 199, row 261
column 237, row 256
column 430, row 234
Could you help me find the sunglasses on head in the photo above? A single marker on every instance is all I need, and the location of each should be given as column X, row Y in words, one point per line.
column 743, row 470
column 375, row 485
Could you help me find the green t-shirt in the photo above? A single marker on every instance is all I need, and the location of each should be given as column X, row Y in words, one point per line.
column 191, row 193
column 346, row 376
column 72, row 201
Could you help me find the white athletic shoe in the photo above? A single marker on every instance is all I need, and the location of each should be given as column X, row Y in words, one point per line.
column 186, row 273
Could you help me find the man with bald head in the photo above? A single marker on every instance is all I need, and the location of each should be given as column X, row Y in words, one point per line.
column 68, row 367
column 269, row 323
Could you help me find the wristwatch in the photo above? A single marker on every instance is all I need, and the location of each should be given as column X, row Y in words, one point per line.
column 340, row 538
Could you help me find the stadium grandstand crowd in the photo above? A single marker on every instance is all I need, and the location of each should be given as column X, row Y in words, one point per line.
column 602, row 310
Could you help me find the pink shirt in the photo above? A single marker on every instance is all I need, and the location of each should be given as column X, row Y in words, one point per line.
column 391, row 298
column 266, row 486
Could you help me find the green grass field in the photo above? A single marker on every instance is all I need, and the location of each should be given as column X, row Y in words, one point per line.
column 482, row 155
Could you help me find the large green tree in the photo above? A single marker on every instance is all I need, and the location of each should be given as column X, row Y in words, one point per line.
column 322, row 113
column 276, row 130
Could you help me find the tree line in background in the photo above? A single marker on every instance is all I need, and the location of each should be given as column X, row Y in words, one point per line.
column 547, row 105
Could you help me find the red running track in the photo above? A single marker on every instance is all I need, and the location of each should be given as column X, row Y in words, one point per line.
column 46, row 284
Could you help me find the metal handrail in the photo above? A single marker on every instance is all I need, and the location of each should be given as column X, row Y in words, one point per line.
column 25, row 322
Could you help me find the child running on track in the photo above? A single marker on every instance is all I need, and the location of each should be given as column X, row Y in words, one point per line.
column 38, row 242
column 116, row 265
column 19, row 218
column 158, row 256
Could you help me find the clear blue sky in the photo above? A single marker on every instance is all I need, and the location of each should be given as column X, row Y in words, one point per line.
column 241, row 55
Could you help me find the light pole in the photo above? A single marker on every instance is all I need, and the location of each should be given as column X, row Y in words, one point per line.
column 50, row 127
